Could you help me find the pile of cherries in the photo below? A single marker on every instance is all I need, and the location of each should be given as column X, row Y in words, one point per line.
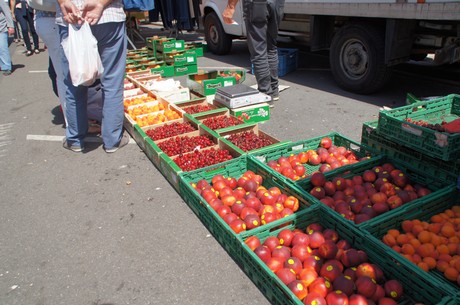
column 222, row 122
column 179, row 145
column 169, row 130
column 248, row 140
column 422, row 123
column 197, row 109
column 202, row 158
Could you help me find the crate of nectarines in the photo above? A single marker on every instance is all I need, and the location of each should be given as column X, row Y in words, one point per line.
column 368, row 190
column 317, row 259
column 298, row 160
column 427, row 235
column 233, row 200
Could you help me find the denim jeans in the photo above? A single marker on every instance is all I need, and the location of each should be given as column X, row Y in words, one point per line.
column 5, row 58
column 47, row 29
column 261, row 39
column 112, row 45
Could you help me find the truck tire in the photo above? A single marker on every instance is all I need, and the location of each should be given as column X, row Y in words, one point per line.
column 218, row 41
column 357, row 58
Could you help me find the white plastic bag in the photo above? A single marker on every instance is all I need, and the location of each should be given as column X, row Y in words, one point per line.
column 80, row 48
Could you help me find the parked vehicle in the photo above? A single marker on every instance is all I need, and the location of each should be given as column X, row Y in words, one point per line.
column 365, row 38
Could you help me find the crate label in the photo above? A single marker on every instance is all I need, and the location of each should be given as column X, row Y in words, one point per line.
column 190, row 59
column 261, row 158
column 213, row 86
column 178, row 44
column 411, row 129
column 228, row 83
column 297, row 147
column 441, row 139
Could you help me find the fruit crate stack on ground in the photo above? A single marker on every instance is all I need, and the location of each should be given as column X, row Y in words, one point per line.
column 318, row 259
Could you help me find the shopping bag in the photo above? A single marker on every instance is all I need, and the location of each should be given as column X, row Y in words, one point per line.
column 80, row 48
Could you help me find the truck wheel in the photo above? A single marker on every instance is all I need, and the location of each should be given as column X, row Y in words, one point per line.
column 218, row 41
column 357, row 58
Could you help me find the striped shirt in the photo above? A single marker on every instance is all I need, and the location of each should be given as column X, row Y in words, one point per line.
column 114, row 12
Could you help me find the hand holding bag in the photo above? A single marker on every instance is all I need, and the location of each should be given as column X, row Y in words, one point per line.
column 80, row 48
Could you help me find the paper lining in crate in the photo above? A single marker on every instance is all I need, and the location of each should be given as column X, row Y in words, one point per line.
column 166, row 89
column 371, row 189
column 422, row 215
column 402, row 125
column 358, row 257
column 230, row 134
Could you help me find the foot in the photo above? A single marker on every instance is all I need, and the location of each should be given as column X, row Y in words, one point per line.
column 28, row 53
column 7, row 72
column 74, row 148
column 123, row 142
column 36, row 51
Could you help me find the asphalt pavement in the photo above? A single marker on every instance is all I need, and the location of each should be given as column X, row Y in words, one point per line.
column 95, row 228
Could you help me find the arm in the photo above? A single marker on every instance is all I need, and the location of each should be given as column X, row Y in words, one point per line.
column 227, row 14
column 92, row 10
column 12, row 5
column 9, row 19
column 70, row 12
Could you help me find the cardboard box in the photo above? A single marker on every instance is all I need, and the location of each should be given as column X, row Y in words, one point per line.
column 164, row 71
column 169, row 45
column 250, row 114
column 180, row 59
column 174, row 96
column 207, row 82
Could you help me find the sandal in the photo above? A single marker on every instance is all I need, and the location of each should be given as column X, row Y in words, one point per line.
column 36, row 51
column 28, row 53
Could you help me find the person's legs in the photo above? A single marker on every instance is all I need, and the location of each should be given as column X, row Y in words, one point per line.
column 5, row 58
column 257, row 45
column 30, row 22
column 275, row 9
column 24, row 29
column 75, row 101
column 112, row 46
column 48, row 30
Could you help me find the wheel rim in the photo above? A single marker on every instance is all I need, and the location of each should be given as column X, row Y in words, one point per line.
column 354, row 59
column 213, row 34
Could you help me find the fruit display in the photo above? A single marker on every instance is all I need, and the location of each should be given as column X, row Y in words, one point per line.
column 183, row 144
column 363, row 197
column 230, row 73
column 431, row 245
column 202, row 158
column 144, row 109
column 423, row 123
column 222, row 121
column 198, row 108
column 319, row 267
column 137, row 100
column 169, row 130
column 249, row 140
column 244, row 202
column 157, row 118
column 325, row 158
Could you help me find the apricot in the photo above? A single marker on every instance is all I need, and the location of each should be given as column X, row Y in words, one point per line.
column 389, row 240
column 441, row 265
column 424, row 266
column 425, row 250
column 402, row 239
column 442, row 249
column 448, row 230
column 431, row 262
column 451, row 273
column 424, row 237
column 393, row 232
column 436, row 219
column 416, row 229
column 407, row 225
column 407, row 249
column 414, row 242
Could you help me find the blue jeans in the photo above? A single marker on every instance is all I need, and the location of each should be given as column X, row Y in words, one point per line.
column 5, row 58
column 112, row 45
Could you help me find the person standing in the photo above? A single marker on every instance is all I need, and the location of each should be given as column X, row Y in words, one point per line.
column 262, row 19
column 6, row 29
column 107, row 21
column 24, row 14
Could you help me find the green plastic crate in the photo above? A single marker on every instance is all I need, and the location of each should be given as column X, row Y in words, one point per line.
column 435, row 144
column 414, row 174
column 444, row 170
column 417, row 288
column 296, row 147
column 437, row 204
column 232, row 168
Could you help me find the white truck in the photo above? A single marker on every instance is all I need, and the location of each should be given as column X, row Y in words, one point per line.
column 365, row 38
